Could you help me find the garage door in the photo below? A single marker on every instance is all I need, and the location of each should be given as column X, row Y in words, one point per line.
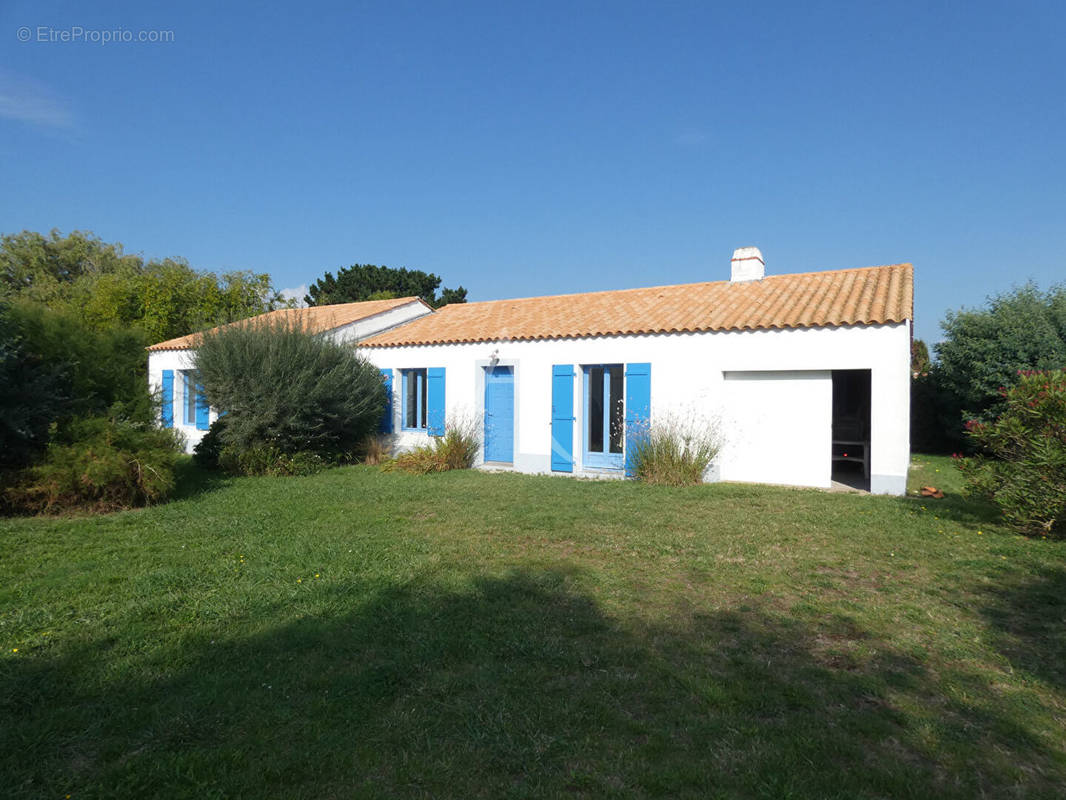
column 778, row 427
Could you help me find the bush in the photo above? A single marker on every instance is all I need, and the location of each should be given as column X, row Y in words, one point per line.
column 212, row 453
column 33, row 395
column 1022, row 466
column 102, row 366
column 266, row 460
column 374, row 450
column 100, row 464
column 287, row 391
column 456, row 449
column 675, row 451
column 208, row 451
column 984, row 349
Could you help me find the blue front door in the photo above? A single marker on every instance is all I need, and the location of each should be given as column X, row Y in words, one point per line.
column 499, row 414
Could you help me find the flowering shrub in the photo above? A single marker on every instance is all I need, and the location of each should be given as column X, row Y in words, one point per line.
column 1022, row 463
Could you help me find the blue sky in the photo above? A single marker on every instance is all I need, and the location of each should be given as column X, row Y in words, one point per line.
column 539, row 148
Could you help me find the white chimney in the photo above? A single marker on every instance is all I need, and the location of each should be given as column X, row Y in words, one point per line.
column 747, row 265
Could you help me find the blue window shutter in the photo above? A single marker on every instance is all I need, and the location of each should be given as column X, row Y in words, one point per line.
column 563, row 418
column 435, row 401
column 386, row 418
column 203, row 411
column 167, row 411
column 638, row 408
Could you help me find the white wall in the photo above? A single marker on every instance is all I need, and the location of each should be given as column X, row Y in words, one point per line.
column 780, row 427
column 687, row 378
column 176, row 360
column 379, row 323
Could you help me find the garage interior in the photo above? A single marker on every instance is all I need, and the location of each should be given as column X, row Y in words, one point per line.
column 851, row 428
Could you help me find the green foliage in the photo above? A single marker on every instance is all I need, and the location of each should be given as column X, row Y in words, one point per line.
column 54, row 368
column 1022, row 467
column 211, row 452
column 106, row 288
column 985, row 349
column 208, row 451
column 369, row 282
column 936, row 418
column 920, row 361
column 168, row 298
column 675, row 451
column 75, row 316
column 51, row 269
column 105, row 366
column 100, row 464
column 456, row 449
column 272, row 461
column 287, row 390
column 34, row 393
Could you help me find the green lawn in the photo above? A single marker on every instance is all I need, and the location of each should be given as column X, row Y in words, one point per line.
column 361, row 634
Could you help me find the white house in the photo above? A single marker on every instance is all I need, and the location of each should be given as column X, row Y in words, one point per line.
column 172, row 377
column 803, row 373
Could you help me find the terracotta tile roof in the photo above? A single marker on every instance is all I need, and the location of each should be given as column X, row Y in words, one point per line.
column 316, row 319
column 863, row 296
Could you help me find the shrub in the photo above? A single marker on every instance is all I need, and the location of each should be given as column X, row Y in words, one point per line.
column 54, row 368
column 212, row 453
column 266, row 460
column 456, row 449
column 286, row 390
column 983, row 349
column 102, row 366
column 208, row 451
column 676, row 451
column 100, row 464
column 1022, row 466
column 374, row 450
column 33, row 394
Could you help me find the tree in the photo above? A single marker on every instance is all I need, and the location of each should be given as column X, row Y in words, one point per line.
column 33, row 394
column 984, row 350
column 366, row 282
column 287, row 390
column 103, row 369
column 920, row 361
column 45, row 268
column 107, row 288
column 981, row 356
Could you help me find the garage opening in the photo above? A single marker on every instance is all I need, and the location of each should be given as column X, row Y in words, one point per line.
column 851, row 428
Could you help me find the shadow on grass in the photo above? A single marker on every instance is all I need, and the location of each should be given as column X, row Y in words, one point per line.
column 1028, row 615
column 959, row 508
column 191, row 480
column 514, row 687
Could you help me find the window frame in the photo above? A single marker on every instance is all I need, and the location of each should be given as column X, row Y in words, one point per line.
column 605, row 459
column 420, row 376
column 188, row 397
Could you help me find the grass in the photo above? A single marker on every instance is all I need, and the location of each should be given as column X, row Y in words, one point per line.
column 369, row 634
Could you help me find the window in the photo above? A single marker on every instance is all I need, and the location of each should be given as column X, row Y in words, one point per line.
column 604, row 416
column 189, row 396
column 415, row 399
